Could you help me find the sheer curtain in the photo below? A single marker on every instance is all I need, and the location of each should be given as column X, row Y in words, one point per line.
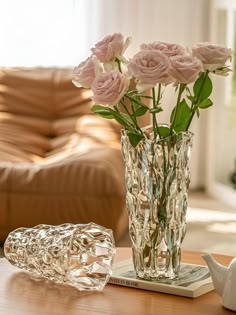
column 182, row 21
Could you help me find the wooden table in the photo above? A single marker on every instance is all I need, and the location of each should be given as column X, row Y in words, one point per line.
column 21, row 295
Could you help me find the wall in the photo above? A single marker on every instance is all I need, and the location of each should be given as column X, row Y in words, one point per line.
column 222, row 122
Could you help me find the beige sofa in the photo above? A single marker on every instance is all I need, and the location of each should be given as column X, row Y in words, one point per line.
column 58, row 162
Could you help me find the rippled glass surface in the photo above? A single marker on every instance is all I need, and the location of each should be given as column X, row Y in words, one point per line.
column 157, row 182
column 79, row 255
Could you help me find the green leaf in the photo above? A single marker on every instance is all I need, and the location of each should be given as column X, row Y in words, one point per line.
column 141, row 111
column 164, row 131
column 97, row 107
column 134, row 138
column 183, row 115
column 205, row 103
column 122, row 119
column 135, row 99
column 191, row 98
column 103, row 111
column 157, row 109
column 202, row 88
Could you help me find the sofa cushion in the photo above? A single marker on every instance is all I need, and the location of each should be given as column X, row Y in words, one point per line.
column 42, row 92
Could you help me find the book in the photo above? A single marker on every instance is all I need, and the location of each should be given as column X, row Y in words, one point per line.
column 193, row 281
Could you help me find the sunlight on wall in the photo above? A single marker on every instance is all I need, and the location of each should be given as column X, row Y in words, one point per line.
column 214, row 221
column 209, row 215
column 223, row 228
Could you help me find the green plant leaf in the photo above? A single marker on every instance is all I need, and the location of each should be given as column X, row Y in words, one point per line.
column 157, row 109
column 164, row 131
column 141, row 111
column 122, row 119
column 183, row 115
column 202, row 88
column 103, row 111
column 205, row 103
column 191, row 98
column 134, row 138
column 136, row 100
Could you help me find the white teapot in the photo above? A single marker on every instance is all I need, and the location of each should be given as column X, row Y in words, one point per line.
column 224, row 280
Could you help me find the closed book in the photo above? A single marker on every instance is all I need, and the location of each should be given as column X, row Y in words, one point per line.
column 193, row 281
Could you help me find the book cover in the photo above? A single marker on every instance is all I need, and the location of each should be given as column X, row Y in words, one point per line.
column 193, row 281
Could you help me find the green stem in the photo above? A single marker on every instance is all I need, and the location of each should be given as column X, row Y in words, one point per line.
column 132, row 106
column 181, row 90
column 194, row 105
column 132, row 99
column 131, row 117
column 154, row 120
column 159, row 94
column 191, row 117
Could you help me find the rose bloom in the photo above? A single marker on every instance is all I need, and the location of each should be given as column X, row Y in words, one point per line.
column 212, row 56
column 167, row 49
column 85, row 73
column 110, row 47
column 149, row 67
column 109, row 87
column 185, row 69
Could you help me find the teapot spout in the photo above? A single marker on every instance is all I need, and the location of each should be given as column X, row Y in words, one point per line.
column 217, row 271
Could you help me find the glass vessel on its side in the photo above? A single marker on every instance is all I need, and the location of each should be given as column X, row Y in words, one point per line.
column 157, row 182
column 80, row 255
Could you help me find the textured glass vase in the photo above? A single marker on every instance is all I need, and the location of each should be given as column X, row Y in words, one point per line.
column 79, row 255
column 157, row 182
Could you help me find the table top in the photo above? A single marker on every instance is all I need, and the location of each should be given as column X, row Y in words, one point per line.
column 22, row 295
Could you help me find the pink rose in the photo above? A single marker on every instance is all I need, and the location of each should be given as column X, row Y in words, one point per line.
column 110, row 47
column 109, row 87
column 185, row 69
column 212, row 56
column 149, row 67
column 86, row 71
column 167, row 49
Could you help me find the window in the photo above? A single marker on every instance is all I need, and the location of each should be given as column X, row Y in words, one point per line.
column 43, row 32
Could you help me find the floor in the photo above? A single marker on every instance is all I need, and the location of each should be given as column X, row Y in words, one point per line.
column 211, row 226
